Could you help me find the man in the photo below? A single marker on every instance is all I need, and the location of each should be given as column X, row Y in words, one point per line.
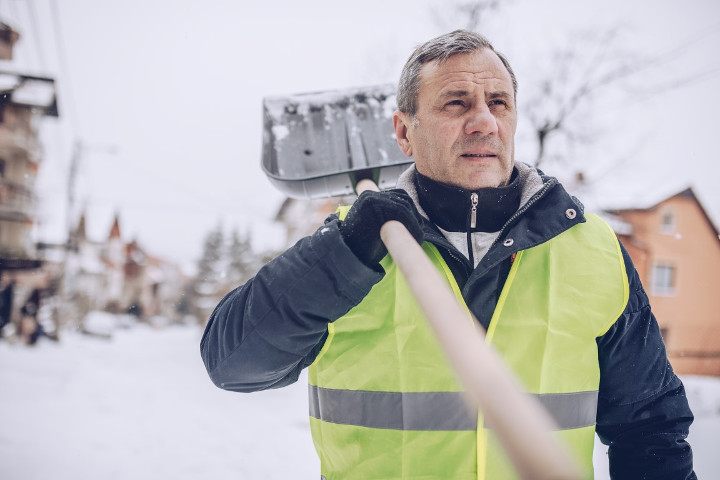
column 556, row 292
column 6, row 303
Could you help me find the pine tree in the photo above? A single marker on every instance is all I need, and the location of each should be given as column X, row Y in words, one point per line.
column 208, row 283
column 242, row 261
column 211, row 261
column 223, row 265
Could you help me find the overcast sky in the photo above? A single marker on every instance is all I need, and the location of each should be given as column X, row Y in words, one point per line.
column 167, row 97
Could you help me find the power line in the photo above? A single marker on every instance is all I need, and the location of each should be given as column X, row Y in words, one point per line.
column 14, row 14
column 36, row 33
column 68, row 106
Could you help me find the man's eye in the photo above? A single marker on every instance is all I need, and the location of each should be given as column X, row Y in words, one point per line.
column 495, row 103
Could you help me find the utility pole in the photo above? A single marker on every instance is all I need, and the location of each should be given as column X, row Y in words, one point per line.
column 69, row 271
column 70, row 205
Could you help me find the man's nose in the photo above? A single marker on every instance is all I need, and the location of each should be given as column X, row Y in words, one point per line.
column 481, row 120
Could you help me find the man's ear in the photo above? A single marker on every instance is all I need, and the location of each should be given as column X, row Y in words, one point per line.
column 402, row 123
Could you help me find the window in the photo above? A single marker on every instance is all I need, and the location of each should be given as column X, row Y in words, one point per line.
column 663, row 280
column 667, row 222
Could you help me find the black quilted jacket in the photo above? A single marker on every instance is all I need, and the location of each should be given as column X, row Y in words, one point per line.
column 263, row 333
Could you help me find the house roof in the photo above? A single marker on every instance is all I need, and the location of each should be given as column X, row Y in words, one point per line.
column 29, row 91
column 619, row 226
column 687, row 192
column 115, row 229
column 81, row 229
column 8, row 34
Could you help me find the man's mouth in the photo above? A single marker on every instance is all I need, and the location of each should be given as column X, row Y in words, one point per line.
column 479, row 155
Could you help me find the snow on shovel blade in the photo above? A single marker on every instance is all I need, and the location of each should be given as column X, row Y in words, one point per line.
column 320, row 144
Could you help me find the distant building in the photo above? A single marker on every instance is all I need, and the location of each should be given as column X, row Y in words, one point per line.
column 24, row 101
column 676, row 249
column 120, row 277
column 301, row 218
column 8, row 38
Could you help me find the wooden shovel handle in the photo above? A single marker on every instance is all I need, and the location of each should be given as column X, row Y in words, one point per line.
column 521, row 424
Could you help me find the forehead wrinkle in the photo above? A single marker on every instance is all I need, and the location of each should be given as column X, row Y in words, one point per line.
column 455, row 93
column 499, row 93
column 467, row 81
column 455, row 74
column 471, row 76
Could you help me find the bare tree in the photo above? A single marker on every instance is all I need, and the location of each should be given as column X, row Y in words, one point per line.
column 594, row 69
column 576, row 76
column 467, row 15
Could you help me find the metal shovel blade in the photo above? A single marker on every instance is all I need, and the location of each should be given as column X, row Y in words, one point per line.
column 320, row 144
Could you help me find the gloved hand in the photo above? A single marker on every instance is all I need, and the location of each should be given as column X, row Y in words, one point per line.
column 361, row 227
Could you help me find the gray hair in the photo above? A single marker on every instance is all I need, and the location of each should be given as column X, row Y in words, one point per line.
column 440, row 49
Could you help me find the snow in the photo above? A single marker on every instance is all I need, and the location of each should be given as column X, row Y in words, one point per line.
column 141, row 406
column 280, row 132
column 138, row 404
column 275, row 107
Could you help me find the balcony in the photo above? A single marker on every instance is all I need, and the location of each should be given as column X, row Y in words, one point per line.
column 19, row 142
column 17, row 202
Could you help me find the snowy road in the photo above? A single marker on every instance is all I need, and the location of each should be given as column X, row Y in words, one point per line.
column 140, row 406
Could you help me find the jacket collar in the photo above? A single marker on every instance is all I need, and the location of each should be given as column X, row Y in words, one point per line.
column 455, row 209
column 544, row 212
column 530, row 179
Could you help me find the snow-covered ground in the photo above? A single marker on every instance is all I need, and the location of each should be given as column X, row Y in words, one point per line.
column 140, row 406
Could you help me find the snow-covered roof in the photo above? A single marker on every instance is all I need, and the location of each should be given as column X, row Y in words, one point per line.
column 649, row 205
column 649, row 199
column 618, row 225
column 30, row 91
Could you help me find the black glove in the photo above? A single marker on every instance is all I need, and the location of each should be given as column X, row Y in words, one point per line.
column 361, row 227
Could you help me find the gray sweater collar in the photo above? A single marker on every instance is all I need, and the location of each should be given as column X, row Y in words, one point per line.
column 527, row 175
column 480, row 242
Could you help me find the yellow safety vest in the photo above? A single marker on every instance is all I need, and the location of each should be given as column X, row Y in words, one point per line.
column 384, row 403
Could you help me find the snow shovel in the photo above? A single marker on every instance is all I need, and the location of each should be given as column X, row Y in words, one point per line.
column 321, row 144
column 338, row 143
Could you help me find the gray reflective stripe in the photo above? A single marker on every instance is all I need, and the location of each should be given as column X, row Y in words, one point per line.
column 433, row 410
column 392, row 410
column 571, row 410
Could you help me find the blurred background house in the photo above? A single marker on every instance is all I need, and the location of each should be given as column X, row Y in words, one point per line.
column 117, row 276
column 46, row 286
column 24, row 101
column 302, row 217
column 676, row 249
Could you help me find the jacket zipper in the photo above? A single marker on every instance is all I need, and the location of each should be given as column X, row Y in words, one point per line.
column 473, row 210
column 538, row 195
column 473, row 224
column 439, row 240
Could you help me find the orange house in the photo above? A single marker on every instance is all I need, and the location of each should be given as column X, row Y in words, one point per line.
column 676, row 249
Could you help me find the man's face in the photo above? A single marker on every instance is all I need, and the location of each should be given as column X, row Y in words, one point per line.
column 464, row 128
